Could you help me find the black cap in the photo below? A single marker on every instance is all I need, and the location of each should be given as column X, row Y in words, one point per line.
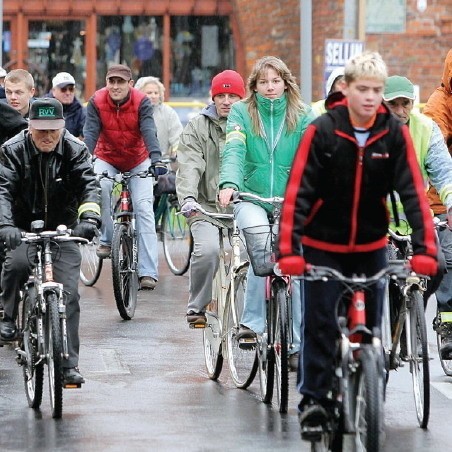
column 46, row 114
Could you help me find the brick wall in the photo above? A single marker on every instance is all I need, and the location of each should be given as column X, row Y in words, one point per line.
column 274, row 28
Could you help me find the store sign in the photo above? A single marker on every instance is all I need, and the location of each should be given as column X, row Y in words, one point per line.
column 337, row 52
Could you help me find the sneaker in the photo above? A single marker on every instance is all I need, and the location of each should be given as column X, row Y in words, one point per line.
column 7, row 329
column 313, row 419
column 293, row 361
column 446, row 340
column 196, row 318
column 103, row 251
column 72, row 376
column 246, row 337
column 147, row 283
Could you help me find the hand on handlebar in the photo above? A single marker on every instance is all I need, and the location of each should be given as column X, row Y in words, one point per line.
column 11, row 236
column 225, row 196
column 189, row 208
column 159, row 169
column 424, row 265
column 292, row 265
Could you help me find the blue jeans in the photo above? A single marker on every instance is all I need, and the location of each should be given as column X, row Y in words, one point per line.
column 142, row 194
column 248, row 215
column 444, row 292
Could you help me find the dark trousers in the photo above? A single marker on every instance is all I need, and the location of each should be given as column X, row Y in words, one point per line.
column 319, row 329
column 66, row 270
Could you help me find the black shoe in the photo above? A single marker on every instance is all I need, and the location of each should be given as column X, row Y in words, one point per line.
column 72, row 376
column 246, row 337
column 313, row 419
column 7, row 329
column 196, row 318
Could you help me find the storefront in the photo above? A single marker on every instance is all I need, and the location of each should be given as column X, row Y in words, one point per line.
column 184, row 42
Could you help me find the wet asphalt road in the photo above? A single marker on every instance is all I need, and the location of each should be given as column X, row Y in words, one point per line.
column 146, row 390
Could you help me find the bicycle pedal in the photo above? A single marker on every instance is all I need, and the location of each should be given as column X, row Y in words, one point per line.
column 313, row 434
column 196, row 326
column 247, row 344
column 72, row 385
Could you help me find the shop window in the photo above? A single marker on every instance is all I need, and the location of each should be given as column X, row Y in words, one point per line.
column 6, row 46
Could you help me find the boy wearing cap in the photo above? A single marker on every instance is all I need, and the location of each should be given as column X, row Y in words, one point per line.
column 120, row 132
column 346, row 164
column 19, row 90
column 46, row 174
column 63, row 89
column 198, row 154
column 436, row 167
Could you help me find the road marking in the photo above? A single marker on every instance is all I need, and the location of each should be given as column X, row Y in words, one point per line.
column 443, row 388
column 112, row 362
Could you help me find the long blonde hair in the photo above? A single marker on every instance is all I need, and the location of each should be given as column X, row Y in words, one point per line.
column 295, row 107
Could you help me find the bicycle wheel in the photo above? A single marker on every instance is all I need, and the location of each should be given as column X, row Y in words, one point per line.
column 32, row 370
column 280, row 347
column 266, row 353
column 91, row 265
column 366, row 402
column 418, row 358
column 446, row 364
column 125, row 277
column 177, row 240
column 242, row 361
column 212, row 334
column 54, row 348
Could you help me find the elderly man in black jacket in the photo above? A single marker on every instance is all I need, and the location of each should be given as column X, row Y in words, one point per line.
column 46, row 174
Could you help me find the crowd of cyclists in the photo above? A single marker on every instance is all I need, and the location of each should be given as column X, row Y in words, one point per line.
column 354, row 164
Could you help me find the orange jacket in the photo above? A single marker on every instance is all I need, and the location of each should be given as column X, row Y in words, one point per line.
column 439, row 108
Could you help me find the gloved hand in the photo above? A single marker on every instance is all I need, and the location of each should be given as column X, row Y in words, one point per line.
column 88, row 226
column 159, row 169
column 189, row 207
column 424, row 265
column 11, row 236
column 292, row 265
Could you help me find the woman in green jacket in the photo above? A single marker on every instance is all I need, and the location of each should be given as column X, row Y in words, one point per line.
column 262, row 136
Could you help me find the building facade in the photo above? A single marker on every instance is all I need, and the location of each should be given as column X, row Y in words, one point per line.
column 185, row 42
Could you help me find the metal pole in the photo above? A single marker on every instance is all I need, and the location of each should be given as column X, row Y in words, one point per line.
column 306, row 50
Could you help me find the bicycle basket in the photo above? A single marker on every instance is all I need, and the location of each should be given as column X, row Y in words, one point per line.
column 260, row 244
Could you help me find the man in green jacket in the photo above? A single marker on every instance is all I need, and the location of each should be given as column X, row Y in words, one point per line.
column 197, row 178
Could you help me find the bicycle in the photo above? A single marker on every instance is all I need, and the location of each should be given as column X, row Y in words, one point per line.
column 43, row 321
column 224, row 311
column 124, row 245
column 357, row 392
column 404, row 325
column 275, row 344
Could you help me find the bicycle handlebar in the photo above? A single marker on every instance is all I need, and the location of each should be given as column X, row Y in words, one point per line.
column 125, row 176
column 61, row 234
column 238, row 196
column 218, row 216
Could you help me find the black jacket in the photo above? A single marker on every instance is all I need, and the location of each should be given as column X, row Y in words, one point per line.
column 33, row 182
column 337, row 191
column 11, row 122
column 74, row 115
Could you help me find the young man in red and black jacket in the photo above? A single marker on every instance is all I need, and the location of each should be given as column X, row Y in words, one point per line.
column 335, row 206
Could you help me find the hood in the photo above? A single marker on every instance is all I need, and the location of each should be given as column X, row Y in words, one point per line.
column 210, row 111
column 446, row 80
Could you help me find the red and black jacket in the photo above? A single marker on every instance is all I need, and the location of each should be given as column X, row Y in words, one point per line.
column 336, row 194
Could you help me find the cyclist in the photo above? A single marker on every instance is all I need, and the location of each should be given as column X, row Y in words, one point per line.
column 439, row 108
column 436, row 168
column 199, row 152
column 263, row 133
column 335, row 205
column 333, row 84
column 120, row 132
column 19, row 90
column 46, row 174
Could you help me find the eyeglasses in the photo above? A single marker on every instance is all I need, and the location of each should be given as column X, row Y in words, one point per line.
column 68, row 88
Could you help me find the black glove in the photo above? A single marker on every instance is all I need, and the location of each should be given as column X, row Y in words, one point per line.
column 86, row 229
column 11, row 236
column 159, row 169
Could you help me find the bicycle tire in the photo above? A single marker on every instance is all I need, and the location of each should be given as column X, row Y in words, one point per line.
column 368, row 399
column 91, row 264
column 419, row 361
column 242, row 361
column 33, row 371
column 177, row 240
column 446, row 364
column 212, row 334
column 266, row 353
column 281, row 348
column 54, row 349
column 124, row 273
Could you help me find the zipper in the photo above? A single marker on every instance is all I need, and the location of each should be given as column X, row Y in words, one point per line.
column 356, row 195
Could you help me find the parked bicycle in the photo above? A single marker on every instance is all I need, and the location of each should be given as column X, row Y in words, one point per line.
column 275, row 344
column 124, row 245
column 405, row 325
column 43, row 320
column 358, row 380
